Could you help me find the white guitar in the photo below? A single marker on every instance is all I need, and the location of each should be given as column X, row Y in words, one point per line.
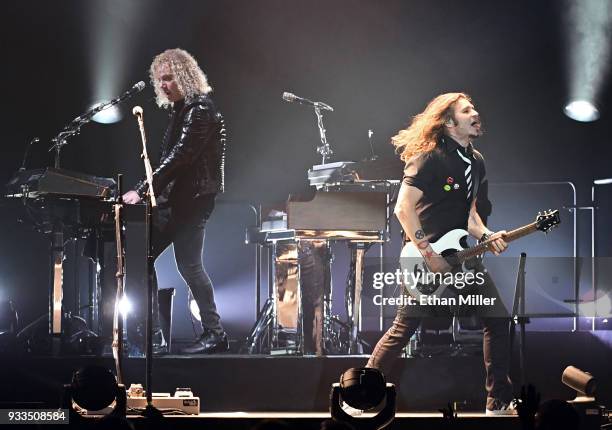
column 452, row 246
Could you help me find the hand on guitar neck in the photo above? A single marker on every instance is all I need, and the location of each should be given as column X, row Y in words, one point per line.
column 436, row 263
column 498, row 244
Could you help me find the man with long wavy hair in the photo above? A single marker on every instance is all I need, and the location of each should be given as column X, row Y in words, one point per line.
column 438, row 194
column 186, row 181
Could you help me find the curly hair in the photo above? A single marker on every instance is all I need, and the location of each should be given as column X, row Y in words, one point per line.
column 190, row 79
column 426, row 127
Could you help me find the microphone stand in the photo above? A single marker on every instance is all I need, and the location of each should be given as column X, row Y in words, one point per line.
column 74, row 127
column 374, row 156
column 150, row 410
column 518, row 316
column 117, row 315
column 325, row 150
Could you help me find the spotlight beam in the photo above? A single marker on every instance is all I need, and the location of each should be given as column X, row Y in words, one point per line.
column 588, row 24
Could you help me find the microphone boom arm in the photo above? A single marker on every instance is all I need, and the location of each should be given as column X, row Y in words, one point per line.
column 74, row 127
column 325, row 150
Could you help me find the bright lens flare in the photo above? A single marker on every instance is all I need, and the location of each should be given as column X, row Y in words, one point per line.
column 582, row 110
column 600, row 307
column 125, row 306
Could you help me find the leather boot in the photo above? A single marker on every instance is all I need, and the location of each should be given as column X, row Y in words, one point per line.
column 208, row 343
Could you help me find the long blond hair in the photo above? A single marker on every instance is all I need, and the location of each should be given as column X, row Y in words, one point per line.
column 190, row 78
column 426, row 127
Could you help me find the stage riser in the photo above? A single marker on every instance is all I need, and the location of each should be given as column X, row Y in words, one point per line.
column 242, row 383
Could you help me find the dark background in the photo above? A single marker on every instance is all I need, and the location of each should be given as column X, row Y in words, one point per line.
column 376, row 63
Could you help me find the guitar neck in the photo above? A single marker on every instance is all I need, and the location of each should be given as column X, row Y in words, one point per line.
column 483, row 247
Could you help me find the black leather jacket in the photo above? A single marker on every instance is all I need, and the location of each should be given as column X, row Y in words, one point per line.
column 192, row 153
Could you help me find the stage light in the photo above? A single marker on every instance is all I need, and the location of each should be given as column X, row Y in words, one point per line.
column 125, row 306
column 591, row 414
column 94, row 388
column 587, row 28
column 107, row 116
column 581, row 110
column 601, row 306
column 605, row 181
column 109, row 24
column 363, row 389
column 583, row 382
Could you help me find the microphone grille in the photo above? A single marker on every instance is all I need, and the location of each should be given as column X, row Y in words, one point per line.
column 139, row 85
column 288, row 97
column 136, row 110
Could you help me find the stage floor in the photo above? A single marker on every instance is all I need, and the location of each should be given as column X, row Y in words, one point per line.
column 312, row 421
column 241, row 388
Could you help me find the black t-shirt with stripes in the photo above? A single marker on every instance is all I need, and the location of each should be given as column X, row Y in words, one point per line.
column 440, row 175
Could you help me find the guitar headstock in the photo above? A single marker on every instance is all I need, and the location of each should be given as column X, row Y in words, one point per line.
column 546, row 220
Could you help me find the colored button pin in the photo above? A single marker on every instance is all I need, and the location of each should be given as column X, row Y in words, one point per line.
column 449, row 180
column 447, row 187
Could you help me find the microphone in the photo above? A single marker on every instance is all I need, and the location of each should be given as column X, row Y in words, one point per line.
column 290, row 97
column 138, row 87
column 137, row 111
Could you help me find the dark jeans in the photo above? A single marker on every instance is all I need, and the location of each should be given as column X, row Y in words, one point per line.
column 314, row 282
column 495, row 343
column 183, row 227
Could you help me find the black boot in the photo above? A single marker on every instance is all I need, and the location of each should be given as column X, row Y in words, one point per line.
column 208, row 343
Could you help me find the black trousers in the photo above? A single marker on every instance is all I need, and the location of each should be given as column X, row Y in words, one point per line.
column 315, row 278
column 496, row 339
column 183, row 226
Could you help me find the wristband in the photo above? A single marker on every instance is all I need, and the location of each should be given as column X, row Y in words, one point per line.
column 485, row 236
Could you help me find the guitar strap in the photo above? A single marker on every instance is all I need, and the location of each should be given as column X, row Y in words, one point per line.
column 475, row 177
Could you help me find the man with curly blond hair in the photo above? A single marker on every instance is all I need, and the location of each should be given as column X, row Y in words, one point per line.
column 186, row 181
column 439, row 192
